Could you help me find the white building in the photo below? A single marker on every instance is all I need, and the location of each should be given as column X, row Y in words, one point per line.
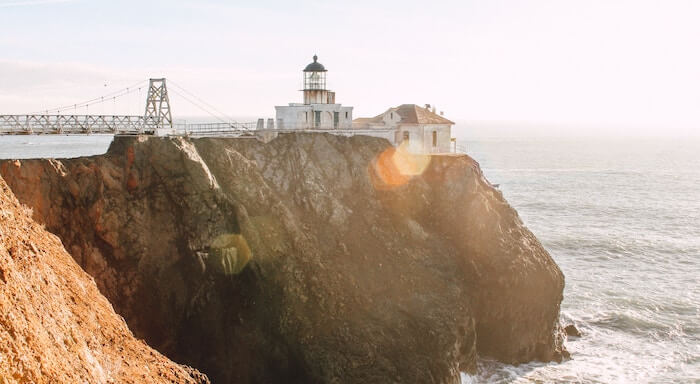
column 418, row 129
column 319, row 110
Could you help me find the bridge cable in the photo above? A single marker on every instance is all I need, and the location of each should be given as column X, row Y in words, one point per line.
column 97, row 100
column 231, row 120
column 86, row 104
column 200, row 107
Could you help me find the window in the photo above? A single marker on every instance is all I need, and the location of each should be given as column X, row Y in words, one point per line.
column 392, row 115
column 306, row 117
column 434, row 138
column 336, row 118
column 346, row 115
column 406, row 136
column 317, row 119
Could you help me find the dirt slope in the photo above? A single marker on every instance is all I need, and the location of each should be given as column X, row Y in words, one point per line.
column 55, row 326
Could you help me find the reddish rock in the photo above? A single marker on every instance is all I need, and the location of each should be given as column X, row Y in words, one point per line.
column 349, row 264
column 55, row 326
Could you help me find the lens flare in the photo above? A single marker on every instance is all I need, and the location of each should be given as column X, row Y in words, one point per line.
column 397, row 166
column 229, row 254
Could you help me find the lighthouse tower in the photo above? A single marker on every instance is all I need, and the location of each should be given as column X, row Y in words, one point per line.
column 315, row 91
column 319, row 110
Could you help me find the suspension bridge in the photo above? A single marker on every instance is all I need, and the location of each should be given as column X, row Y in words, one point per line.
column 156, row 120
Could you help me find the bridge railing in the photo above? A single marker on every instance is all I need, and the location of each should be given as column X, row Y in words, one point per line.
column 243, row 129
column 75, row 124
column 207, row 129
column 133, row 125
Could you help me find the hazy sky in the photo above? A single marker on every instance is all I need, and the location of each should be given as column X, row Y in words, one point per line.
column 606, row 63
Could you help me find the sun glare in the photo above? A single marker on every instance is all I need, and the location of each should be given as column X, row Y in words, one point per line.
column 396, row 166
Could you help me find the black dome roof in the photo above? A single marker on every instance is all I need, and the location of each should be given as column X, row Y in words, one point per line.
column 315, row 66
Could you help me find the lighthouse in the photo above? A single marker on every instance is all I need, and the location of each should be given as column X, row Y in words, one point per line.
column 315, row 91
column 319, row 110
column 417, row 129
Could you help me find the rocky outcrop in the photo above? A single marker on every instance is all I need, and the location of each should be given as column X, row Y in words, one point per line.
column 572, row 331
column 312, row 258
column 55, row 326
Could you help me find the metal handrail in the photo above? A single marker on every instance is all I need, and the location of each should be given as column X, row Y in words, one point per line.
column 460, row 148
column 75, row 124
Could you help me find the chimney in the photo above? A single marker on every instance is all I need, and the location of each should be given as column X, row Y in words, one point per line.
column 434, row 109
column 442, row 113
column 427, row 106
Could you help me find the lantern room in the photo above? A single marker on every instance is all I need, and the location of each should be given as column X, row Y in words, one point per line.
column 315, row 76
column 315, row 91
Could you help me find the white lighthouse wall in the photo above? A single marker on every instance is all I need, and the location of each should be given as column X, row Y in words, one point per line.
column 420, row 137
column 304, row 116
column 443, row 135
column 294, row 116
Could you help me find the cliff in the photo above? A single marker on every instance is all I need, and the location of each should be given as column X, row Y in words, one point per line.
column 55, row 326
column 312, row 258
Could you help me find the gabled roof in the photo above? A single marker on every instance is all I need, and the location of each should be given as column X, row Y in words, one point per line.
column 410, row 114
column 365, row 120
column 413, row 114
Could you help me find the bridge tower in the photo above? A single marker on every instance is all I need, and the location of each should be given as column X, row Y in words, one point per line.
column 158, row 107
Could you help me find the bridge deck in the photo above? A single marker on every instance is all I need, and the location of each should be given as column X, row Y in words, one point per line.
column 135, row 125
column 138, row 125
column 106, row 124
column 75, row 124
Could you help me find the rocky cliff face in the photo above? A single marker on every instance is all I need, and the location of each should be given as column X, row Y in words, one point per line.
column 312, row 258
column 55, row 326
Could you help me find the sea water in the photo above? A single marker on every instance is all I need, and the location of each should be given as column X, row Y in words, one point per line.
column 621, row 217
column 55, row 146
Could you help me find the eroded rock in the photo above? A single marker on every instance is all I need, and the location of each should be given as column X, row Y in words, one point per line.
column 355, row 273
column 572, row 331
column 55, row 326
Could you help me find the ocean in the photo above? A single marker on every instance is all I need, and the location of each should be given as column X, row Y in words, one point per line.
column 621, row 217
